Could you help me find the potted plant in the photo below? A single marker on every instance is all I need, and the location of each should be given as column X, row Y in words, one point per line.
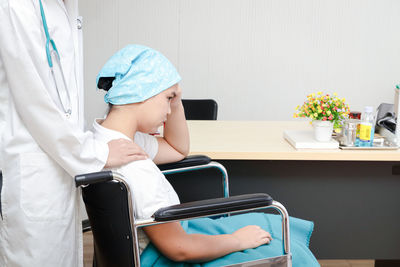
column 326, row 113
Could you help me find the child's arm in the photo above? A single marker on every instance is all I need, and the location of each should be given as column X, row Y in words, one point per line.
column 174, row 146
column 177, row 245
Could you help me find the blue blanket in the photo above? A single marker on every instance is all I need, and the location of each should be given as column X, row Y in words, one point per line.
column 300, row 231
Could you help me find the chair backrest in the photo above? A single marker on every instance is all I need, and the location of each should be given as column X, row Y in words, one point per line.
column 112, row 238
column 200, row 109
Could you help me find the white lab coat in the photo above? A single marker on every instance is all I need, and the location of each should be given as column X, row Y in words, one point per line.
column 41, row 148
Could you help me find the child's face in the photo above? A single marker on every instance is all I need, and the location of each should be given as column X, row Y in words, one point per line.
column 155, row 110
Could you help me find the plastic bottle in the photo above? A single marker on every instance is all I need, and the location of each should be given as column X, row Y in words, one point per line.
column 367, row 128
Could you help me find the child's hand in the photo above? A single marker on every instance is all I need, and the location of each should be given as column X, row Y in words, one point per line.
column 251, row 236
column 176, row 101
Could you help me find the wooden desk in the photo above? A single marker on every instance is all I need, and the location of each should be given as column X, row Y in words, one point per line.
column 263, row 140
column 352, row 196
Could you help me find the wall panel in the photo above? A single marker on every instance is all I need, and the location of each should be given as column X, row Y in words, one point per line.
column 257, row 58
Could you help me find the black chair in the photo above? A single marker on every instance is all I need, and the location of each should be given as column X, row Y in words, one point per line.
column 200, row 109
column 108, row 203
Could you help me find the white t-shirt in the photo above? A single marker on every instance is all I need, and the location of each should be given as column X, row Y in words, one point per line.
column 149, row 187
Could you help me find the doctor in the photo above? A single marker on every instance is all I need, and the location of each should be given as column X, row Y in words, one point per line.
column 42, row 140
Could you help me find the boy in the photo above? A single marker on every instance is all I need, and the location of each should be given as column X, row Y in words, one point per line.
column 144, row 94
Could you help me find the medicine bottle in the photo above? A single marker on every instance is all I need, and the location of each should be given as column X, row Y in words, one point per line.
column 367, row 127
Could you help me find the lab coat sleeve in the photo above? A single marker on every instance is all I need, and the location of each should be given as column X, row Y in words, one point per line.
column 23, row 54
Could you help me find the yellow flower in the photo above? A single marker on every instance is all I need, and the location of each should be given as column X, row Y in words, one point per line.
column 319, row 103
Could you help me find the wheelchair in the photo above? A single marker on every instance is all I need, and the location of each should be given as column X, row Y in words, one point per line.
column 107, row 199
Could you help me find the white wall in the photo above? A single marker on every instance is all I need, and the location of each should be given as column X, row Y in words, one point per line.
column 257, row 58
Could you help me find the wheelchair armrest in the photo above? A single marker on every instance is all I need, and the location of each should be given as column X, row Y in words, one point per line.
column 92, row 178
column 213, row 207
column 104, row 176
column 189, row 161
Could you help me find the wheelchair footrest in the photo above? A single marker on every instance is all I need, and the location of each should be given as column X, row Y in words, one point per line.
column 213, row 207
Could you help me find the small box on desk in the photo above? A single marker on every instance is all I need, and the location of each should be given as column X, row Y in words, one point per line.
column 304, row 139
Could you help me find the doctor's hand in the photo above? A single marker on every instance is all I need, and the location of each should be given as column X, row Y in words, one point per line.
column 122, row 151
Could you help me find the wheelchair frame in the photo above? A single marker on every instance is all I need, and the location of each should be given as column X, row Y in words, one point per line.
column 214, row 210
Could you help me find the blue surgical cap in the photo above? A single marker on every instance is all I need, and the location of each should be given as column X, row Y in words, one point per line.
column 140, row 72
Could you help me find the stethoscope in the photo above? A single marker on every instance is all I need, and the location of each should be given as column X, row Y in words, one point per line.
column 61, row 86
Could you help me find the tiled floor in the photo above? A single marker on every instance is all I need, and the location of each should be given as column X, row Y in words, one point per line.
column 87, row 249
column 88, row 254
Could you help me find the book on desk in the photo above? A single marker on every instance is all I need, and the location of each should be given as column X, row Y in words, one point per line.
column 304, row 139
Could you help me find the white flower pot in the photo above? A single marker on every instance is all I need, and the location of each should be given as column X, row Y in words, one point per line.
column 322, row 130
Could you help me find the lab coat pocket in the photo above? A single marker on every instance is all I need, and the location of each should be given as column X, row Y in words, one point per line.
column 46, row 189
